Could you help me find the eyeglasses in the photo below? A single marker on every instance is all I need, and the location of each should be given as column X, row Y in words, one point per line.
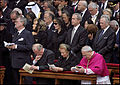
column 55, row 23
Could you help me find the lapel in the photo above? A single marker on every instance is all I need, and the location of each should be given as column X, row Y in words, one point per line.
column 75, row 35
column 16, row 37
column 103, row 36
column 70, row 34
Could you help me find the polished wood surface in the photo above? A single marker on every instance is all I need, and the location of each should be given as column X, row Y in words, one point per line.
column 58, row 75
column 2, row 71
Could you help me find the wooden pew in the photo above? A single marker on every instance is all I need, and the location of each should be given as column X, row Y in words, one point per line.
column 2, row 71
column 115, row 74
column 58, row 75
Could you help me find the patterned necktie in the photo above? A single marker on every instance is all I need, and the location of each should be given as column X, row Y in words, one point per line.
column 101, row 34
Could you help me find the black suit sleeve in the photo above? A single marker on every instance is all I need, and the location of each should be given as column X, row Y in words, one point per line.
column 29, row 40
column 110, row 44
column 81, row 42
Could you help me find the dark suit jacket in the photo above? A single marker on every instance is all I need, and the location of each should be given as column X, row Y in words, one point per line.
column 85, row 17
column 21, row 55
column 57, row 39
column 67, row 64
column 4, row 52
column 78, row 41
column 42, row 38
column 105, row 45
column 47, row 58
column 6, row 14
column 49, row 36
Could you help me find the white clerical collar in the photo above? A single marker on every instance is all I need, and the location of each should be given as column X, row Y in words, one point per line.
column 4, row 9
column 20, row 31
column 84, row 12
column 117, row 30
column 95, row 14
column 50, row 25
column 106, row 29
column 76, row 27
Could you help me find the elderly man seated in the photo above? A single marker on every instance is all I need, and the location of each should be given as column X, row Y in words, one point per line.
column 93, row 63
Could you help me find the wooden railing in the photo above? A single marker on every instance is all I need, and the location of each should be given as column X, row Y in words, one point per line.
column 58, row 75
column 115, row 73
column 2, row 71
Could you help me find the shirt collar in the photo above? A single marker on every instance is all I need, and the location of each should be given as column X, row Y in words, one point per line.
column 4, row 9
column 106, row 29
column 84, row 12
column 76, row 27
column 74, row 3
column 117, row 30
column 21, row 30
column 50, row 25
column 95, row 14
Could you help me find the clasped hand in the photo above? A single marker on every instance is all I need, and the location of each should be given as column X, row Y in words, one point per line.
column 81, row 70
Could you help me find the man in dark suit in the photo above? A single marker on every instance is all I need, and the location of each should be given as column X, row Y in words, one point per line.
column 114, row 24
column 41, row 61
column 95, row 13
column 4, row 52
column 103, row 4
column 48, row 18
column 82, row 8
column 21, row 49
column 77, row 36
column 105, row 39
column 6, row 11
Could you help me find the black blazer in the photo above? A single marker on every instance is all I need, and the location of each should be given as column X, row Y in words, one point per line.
column 57, row 39
column 79, row 40
column 41, row 38
column 105, row 45
column 4, row 52
column 49, row 36
column 67, row 64
column 6, row 14
column 21, row 55
column 47, row 58
column 85, row 17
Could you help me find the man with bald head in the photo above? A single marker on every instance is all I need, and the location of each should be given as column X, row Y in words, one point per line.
column 43, row 57
column 92, row 63
column 83, row 10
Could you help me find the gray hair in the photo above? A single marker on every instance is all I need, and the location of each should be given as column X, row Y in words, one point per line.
column 86, row 48
column 18, row 10
column 84, row 3
column 37, row 46
column 23, row 19
column 65, row 46
column 93, row 5
column 79, row 17
column 51, row 14
column 106, row 17
column 114, row 23
column 108, row 10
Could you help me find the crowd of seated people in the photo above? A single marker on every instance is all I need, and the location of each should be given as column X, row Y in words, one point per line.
column 33, row 28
